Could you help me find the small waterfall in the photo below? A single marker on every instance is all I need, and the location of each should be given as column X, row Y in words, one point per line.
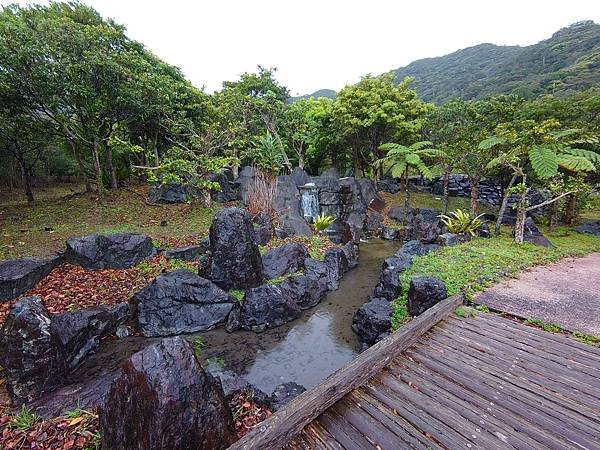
column 309, row 201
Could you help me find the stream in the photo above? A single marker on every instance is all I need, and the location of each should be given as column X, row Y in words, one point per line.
column 310, row 348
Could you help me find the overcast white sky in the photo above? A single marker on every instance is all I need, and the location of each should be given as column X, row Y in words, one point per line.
column 328, row 43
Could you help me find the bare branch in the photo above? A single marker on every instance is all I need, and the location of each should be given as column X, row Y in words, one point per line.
column 552, row 200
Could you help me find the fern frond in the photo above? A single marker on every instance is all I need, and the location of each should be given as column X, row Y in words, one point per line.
column 490, row 142
column 544, row 161
column 421, row 145
column 495, row 162
column 575, row 163
column 591, row 156
column 390, row 146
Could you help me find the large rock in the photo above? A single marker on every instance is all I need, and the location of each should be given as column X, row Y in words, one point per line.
column 305, row 291
column 372, row 321
column 389, row 286
column 227, row 191
column 170, row 193
column 317, row 270
column 533, row 235
column 337, row 265
column 448, row 240
column 236, row 261
column 416, row 248
column 423, row 293
column 19, row 275
column 373, row 224
column 180, row 302
column 268, row 306
column 188, row 253
column 592, row 228
column 263, row 234
column 115, row 251
column 287, row 196
column 163, row 400
column 30, row 353
column 285, row 393
column 287, row 258
column 351, row 250
column 80, row 332
column 340, row 232
column 293, row 224
column 245, row 182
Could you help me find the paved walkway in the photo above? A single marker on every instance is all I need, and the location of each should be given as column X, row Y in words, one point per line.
column 566, row 293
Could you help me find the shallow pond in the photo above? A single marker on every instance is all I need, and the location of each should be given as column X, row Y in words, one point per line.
column 310, row 348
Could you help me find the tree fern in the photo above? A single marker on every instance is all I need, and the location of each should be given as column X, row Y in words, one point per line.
column 544, row 161
column 490, row 142
column 591, row 156
column 575, row 163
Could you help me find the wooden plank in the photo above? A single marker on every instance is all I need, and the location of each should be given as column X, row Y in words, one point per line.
column 532, row 407
column 563, row 368
column 394, row 422
column 575, row 345
column 320, row 437
column 539, row 349
column 521, row 333
column 577, row 396
column 440, row 432
column 289, row 421
column 504, row 424
column 342, row 431
column 435, row 410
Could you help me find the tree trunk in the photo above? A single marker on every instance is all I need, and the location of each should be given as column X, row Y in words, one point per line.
column 474, row 195
column 571, row 210
column 27, row 183
column 155, row 149
column 504, row 204
column 521, row 214
column 111, row 169
column 98, row 169
column 82, row 172
column 406, row 197
column 552, row 217
column 446, row 183
column 301, row 158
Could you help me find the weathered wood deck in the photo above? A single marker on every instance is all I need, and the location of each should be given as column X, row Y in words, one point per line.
column 481, row 381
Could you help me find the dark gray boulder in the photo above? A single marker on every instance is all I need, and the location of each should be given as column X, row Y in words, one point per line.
column 80, row 332
column 305, row 291
column 19, row 275
column 263, row 235
column 292, row 224
column 163, row 400
column 390, row 185
column 337, row 265
column 285, row 393
column 287, row 196
column 114, row 251
column 533, row 235
column 423, row 293
column 171, row 193
column 234, row 320
column 372, row 321
column 448, row 240
column 351, row 249
column 285, row 259
column 236, row 261
column 268, row 306
column 416, row 248
column 390, row 233
column 245, row 182
column 31, row 354
column 227, row 191
column 397, row 213
column 299, row 176
column 340, row 232
column 592, row 228
column 180, row 302
column 373, row 223
column 189, row 253
column 317, row 270
column 389, row 286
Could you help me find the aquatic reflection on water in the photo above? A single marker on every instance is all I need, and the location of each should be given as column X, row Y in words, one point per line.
column 310, row 348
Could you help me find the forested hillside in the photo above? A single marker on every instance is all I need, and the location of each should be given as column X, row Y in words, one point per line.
column 328, row 93
column 568, row 61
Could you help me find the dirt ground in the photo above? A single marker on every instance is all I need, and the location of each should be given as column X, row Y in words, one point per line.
column 566, row 293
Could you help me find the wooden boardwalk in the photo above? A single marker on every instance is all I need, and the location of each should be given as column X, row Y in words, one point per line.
column 476, row 382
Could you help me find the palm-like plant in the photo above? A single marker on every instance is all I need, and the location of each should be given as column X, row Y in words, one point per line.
column 401, row 159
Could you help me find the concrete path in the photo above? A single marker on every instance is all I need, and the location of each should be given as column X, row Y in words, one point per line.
column 566, row 293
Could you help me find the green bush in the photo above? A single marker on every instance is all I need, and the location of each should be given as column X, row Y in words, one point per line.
column 460, row 221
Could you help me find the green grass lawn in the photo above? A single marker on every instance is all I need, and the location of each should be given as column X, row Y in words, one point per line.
column 426, row 200
column 42, row 228
column 475, row 265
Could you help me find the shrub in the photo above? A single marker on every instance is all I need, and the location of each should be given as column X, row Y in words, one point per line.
column 322, row 222
column 261, row 194
column 460, row 221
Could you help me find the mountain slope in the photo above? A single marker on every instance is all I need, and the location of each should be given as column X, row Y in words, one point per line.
column 568, row 61
column 329, row 93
